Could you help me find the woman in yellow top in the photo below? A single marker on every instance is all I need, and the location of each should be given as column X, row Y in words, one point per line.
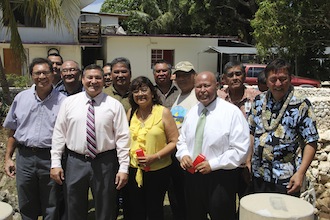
column 153, row 131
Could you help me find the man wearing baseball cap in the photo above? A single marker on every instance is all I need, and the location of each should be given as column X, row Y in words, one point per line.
column 185, row 79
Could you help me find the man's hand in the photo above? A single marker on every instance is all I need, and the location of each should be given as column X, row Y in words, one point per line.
column 203, row 167
column 186, row 162
column 57, row 174
column 10, row 168
column 295, row 183
column 121, row 180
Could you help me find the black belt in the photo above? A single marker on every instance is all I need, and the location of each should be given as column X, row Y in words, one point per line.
column 86, row 157
column 32, row 148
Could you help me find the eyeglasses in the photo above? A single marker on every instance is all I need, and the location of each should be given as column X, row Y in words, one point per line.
column 281, row 79
column 161, row 70
column 143, row 90
column 231, row 74
column 69, row 70
column 46, row 73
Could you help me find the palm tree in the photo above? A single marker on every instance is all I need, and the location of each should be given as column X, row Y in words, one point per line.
column 55, row 11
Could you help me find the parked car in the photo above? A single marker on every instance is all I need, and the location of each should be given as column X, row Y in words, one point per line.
column 252, row 71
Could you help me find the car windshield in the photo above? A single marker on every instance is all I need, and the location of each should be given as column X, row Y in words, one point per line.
column 254, row 71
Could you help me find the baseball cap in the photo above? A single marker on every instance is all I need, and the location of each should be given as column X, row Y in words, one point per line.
column 184, row 66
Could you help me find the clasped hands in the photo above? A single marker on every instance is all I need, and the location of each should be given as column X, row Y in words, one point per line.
column 187, row 163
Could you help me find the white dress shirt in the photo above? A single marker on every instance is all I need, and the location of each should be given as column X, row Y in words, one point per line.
column 226, row 137
column 111, row 128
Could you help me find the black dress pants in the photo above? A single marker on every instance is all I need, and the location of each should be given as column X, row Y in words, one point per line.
column 213, row 194
column 146, row 202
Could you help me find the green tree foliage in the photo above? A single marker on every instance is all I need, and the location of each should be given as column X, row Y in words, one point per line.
column 216, row 17
column 50, row 11
column 297, row 30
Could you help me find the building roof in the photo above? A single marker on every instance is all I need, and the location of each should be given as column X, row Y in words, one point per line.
column 231, row 50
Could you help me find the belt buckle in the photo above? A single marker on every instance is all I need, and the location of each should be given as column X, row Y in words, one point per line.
column 87, row 157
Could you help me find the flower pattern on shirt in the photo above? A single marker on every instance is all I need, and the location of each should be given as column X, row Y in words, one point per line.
column 275, row 157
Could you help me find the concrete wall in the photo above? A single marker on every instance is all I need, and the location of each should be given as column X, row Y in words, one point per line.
column 138, row 51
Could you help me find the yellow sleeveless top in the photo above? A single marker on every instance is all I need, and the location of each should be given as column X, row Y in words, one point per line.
column 150, row 137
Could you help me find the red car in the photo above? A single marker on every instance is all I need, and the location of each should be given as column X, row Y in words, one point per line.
column 253, row 70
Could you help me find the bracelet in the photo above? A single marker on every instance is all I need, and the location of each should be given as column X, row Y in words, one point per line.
column 158, row 156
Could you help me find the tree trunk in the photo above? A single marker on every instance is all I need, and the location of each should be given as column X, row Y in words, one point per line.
column 4, row 84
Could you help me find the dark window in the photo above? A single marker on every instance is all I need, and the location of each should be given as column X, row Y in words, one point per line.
column 167, row 55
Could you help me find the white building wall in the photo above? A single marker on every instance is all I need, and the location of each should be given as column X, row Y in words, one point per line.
column 68, row 52
column 138, row 51
column 109, row 20
column 49, row 34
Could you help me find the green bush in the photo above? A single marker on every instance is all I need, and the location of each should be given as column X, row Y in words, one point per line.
column 18, row 81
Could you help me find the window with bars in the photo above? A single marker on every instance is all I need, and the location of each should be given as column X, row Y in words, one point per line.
column 159, row 54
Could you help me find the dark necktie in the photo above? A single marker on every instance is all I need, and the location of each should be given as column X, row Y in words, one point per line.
column 91, row 136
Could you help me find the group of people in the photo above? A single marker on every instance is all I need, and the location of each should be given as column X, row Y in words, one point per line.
column 98, row 129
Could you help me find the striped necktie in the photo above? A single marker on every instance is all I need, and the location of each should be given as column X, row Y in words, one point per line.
column 199, row 134
column 91, row 136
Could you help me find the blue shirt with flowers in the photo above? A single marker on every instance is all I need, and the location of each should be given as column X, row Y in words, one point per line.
column 275, row 158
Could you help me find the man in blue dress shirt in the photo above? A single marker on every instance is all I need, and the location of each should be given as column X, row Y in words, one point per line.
column 30, row 121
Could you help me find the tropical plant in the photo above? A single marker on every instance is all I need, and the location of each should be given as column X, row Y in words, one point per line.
column 50, row 11
column 297, row 30
column 215, row 17
column 18, row 81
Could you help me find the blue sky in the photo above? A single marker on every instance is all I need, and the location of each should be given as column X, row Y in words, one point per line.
column 94, row 7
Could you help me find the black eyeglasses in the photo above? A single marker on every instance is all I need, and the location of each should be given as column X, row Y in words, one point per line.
column 46, row 73
column 231, row 74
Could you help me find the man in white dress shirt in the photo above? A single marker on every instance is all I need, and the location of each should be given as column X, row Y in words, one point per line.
column 211, row 189
column 108, row 171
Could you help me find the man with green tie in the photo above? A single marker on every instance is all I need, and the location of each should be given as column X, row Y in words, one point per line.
column 218, row 131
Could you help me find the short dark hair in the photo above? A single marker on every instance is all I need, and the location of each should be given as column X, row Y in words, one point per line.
column 122, row 60
column 169, row 66
column 276, row 65
column 136, row 84
column 93, row 67
column 232, row 64
column 56, row 54
column 107, row 64
column 262, row 77
column 40, row 60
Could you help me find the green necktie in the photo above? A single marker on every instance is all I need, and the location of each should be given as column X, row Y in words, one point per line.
column 199, row 133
